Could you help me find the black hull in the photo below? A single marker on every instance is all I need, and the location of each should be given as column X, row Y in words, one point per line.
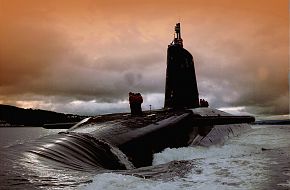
column 140, row 137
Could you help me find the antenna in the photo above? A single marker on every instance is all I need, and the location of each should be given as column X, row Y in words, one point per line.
column 178, row 39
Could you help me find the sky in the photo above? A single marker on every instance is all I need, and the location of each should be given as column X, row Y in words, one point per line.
column 84, row 56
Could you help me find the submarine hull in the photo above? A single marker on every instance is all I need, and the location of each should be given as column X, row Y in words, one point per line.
column 140, row 137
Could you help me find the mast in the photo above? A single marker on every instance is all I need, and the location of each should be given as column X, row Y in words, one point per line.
column 177, row 36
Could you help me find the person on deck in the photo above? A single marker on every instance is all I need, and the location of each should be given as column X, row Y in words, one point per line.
column 203, row 103
column 135, row 100
column 139, row 101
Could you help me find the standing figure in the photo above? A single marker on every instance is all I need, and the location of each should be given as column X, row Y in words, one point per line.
column 135, row 100
column 139, row 101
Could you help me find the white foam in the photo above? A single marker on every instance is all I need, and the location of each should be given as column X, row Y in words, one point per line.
column 229, row 166
column 199, row 152
column 239, row 164
column 112, row 181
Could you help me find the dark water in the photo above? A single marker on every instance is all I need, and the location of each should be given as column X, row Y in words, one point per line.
column 19, row 135
column 36, row 158
column 21, row 169
column 258, row 159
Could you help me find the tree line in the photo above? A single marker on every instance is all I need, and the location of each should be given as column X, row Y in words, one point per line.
column 34, row 117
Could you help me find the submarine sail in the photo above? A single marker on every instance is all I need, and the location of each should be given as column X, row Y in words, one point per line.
column 181, row 87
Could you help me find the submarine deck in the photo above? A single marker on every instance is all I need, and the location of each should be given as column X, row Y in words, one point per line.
column 139, row 137
column 120, row 128
column 138, row 121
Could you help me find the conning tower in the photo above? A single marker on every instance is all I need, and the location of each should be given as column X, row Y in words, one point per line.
column 181, row 87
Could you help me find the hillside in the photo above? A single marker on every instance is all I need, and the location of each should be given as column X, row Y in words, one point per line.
column 33, row 117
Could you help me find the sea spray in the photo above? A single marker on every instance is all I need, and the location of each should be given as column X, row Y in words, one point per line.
column 243, row 162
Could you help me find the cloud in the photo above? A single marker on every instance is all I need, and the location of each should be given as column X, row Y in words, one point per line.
column 41, row 61
column 248, row 70
column 85, row 56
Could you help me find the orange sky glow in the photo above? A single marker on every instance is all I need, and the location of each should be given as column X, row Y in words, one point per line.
column 84, row 56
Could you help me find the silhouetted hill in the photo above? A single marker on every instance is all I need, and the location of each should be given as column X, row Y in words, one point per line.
column 34, row 117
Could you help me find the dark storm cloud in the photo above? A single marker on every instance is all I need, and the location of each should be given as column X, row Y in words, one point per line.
column 43, row 65
column 37, row 59
column 70, row 55
column 247, row 73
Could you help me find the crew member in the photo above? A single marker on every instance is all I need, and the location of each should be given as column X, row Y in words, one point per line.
column 135, row 100
column 203, row 103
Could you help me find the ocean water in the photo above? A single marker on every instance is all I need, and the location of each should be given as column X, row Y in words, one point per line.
column 10, row 136
column 257, row 159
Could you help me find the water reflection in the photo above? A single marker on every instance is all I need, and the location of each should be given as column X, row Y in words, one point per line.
column 10, row 136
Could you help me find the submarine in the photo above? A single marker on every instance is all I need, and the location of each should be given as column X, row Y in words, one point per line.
column 124, row 141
